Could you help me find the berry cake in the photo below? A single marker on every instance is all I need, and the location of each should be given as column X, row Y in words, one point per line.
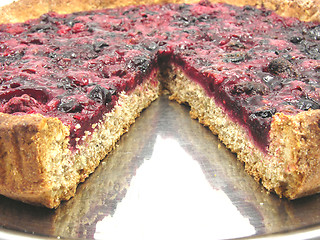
column 71, row 85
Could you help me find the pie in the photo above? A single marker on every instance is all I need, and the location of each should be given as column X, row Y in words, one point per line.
column 72, row 84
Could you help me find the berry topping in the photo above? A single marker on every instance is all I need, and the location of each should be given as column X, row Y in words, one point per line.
column 68, row 105
column 296, row 39
column 235, row 57
column 101, row 95
column 306, row 104
column 281, row 65
column 73, row 66
column 23, row 104
column 314, row 32
column 267, row 113
column 249, row 88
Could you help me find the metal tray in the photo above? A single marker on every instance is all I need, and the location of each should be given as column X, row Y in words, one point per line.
column 169, row 178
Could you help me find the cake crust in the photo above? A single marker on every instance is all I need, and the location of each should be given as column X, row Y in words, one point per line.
column 294, row 142
column 22, row 10
column 27, row 145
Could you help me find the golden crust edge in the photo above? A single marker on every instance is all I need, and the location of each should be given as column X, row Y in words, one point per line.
column 26, row 144
column 41, row 169
column 294, row 145
column 22, row 10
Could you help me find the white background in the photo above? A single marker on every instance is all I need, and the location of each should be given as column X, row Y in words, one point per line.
column 4, row 2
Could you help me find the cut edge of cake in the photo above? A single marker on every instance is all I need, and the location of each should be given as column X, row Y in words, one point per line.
column 36, row 164
column 290, row 167
column 40, row 169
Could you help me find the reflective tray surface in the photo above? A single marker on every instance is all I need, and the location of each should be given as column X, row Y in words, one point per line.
column 169, row 178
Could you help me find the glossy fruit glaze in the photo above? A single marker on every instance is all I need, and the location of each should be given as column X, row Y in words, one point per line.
column 253, row 62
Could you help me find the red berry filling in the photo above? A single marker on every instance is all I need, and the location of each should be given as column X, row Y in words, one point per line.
column 253, row 62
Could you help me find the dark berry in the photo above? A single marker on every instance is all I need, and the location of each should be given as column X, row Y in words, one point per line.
column 44, row 27
column 141, row 63
column 65, row 84
column 249, row 88
column 235, row 57
column 99, row 45
column 307, row 103
column 150, row 45
column 69, row 106
column 267, row 113
column 71, row 21
column 313, row 50
column 281, row 65
column 100, row 95
column 296, row 39
column 52, row 55
column 12, row 57
column 314, row 32
column 185, row 20
column 235, row 45
column 248, row 8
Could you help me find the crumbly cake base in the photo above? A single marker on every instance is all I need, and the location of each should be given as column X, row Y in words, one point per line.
column 37, row 165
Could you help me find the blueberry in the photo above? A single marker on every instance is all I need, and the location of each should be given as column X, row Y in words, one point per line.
column 141, row 63
column 307, row 103
column 281, row 65
column 69, row 106
column 65, row 84
column 71, row 21
column 101, row 95
column 52, row 55
column 264, row 113
column 236, row 45
column 43, row 27
column 296, row 39
column 99, row 45
column 150, row 45
column 185, row 20
column 248, row 8
column 313, row 50
column 11, row 58
column 235, row 57
column 48, row 18
column 205, row 3
column 203, row 18
column 249, row 88
column 314, row 32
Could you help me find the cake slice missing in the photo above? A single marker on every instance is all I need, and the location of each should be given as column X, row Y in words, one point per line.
column 288, row 167
column 72, row 84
